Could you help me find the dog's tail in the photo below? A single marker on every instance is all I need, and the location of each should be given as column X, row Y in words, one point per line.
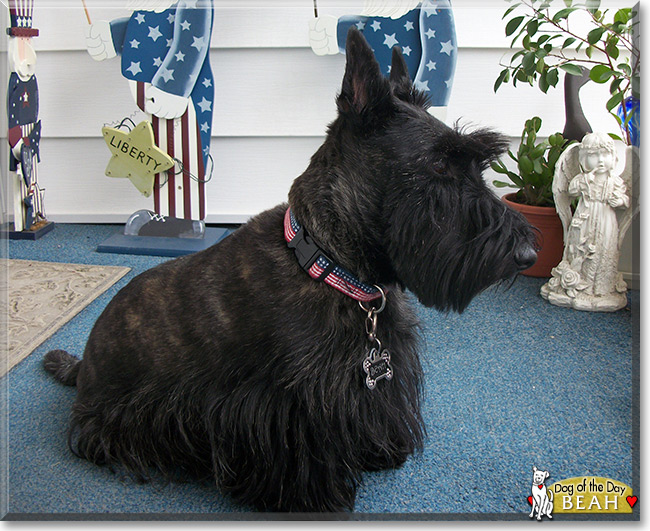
column 65, row 367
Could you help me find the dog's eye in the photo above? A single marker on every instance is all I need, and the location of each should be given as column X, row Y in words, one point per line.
column 439, row 167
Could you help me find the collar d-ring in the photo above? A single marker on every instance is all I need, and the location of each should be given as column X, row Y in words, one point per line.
column 381, row 306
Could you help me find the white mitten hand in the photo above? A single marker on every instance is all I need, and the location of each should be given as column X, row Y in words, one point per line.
column 322, row 35
column 99, row 41
column 17, row 149
column 163, row 104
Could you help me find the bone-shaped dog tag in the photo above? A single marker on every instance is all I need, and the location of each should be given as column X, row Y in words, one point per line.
column 377, row 366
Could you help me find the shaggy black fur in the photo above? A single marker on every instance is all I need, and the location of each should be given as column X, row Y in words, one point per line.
column 234, row 365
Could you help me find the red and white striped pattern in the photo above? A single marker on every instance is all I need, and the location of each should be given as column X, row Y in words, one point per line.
column 26, row 130
column 180, row 195
column 22, row 9
column 344, row 283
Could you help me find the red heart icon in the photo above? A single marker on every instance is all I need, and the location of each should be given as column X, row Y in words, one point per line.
column 530, row 500
column 632, row 500
column 540, row 487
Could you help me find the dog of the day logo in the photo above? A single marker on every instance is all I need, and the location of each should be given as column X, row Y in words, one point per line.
column 541, row 498
column 579, row 495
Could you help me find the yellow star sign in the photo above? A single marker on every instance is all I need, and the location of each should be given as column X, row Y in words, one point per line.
column 136, row 156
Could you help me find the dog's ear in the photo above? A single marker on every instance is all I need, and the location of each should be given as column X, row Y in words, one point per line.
column 480, row 147
column 399, row 73
column 364, row 88
column 489, row 145
column 534, row 468
column 401, row 83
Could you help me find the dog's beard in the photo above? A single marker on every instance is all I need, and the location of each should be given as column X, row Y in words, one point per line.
column 150, row 5
column 447, row 268
column 394, row 9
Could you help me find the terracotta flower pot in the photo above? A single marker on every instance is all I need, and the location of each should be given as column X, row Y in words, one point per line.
column 550, row 238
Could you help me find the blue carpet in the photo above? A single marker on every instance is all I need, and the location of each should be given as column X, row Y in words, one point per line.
column 511, row 383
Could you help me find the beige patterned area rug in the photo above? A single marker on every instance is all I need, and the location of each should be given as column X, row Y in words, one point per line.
column 43, row 296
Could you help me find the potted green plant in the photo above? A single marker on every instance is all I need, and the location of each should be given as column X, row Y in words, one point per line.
column 533, row 180
column 549, row 44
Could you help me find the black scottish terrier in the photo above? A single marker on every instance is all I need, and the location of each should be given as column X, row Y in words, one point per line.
column 282, row 363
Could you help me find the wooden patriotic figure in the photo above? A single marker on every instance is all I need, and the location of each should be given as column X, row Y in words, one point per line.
column 424, row 29
column 164, row 47
column 24, row 126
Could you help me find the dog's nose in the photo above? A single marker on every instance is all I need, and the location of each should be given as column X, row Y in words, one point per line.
column 525, row 257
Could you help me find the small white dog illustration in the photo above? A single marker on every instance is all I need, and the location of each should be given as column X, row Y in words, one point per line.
column 541, row 499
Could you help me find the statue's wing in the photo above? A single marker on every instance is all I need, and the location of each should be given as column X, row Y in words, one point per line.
column 567, row 167
column 631, row 176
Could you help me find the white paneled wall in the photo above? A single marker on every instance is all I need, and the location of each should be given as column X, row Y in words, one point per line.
column 274, row 99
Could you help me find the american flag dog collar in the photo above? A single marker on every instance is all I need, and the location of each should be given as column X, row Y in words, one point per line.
column 320, row 267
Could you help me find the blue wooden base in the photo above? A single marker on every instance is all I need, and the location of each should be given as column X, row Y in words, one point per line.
column 31, row 234
column 161, row 246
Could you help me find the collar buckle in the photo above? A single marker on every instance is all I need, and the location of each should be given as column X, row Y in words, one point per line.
column 306, row 251
column 321, row 267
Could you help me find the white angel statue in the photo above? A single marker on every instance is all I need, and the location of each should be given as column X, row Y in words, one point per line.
column 587, row 278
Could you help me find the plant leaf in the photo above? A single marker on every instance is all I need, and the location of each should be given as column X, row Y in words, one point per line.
column 538, row 151
column 498, row 167
column 622, row 16
column 612, row 49
column 528, row 63
column 555, row 139
column 521, row 75
column 615, row 85
column 504, row 76
column 594, row 35
column 516, row 179
column 600, row 73
column 563, row 13
column 625, row 68
column 513, row 24
column 572, row 69
column 615, row 100
column 568, row 42
column 510, row 10
column 501, row 184
column 525, row 165
column 543, row 81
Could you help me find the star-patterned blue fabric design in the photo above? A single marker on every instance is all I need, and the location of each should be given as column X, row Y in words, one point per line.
column 170, row 50
column 427, row 36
